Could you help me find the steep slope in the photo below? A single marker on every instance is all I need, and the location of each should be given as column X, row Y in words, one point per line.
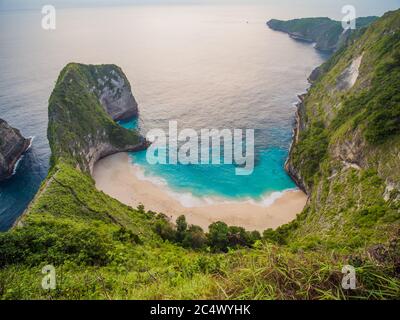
column 347, row 143
column 12, row 146
column 327, row 34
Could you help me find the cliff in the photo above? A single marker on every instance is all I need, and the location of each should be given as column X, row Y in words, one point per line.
column 12, row 146
column 82, row 107
column 113, row 91
column 346, row 149
column 327, row 34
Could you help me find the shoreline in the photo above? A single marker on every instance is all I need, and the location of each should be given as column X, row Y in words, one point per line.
column 116, row 176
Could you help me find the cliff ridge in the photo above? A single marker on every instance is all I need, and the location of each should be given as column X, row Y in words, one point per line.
column 12, row 146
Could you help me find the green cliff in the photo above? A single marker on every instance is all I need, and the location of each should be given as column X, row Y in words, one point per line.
column 327, row 34
column 347, row 143
column 345, row 155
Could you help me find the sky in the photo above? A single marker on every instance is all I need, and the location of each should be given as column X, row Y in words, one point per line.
column 365, row 7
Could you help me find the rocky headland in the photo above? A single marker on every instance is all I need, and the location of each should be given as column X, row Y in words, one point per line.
column 327, row 34
column 12, row 146
column 82, row 109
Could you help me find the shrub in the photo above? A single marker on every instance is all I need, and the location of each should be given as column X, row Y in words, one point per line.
column 53, row 242
column 181, row 227
column 165, row 230
column 194, row 238
column 218, row 236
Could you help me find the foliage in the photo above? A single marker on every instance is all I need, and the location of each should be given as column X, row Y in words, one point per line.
column 77, row 120
column 326, row 33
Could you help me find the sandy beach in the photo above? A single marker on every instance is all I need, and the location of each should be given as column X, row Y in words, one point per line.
column 118, row 177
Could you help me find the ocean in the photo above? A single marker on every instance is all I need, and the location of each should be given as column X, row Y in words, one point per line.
column 206, row 66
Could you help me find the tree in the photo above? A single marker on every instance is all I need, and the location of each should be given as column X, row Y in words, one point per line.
column 181, row 224
column 237, row 237
column 194, row 238
column 273, row 236
column 255, row 235
column 218, row 236
column 181, row 227
column 165, row 230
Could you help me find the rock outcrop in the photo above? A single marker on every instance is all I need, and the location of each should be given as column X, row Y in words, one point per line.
column 82, row 108
column 12, row 146
column 327, row 34
column 349, row 76
column 290, row 168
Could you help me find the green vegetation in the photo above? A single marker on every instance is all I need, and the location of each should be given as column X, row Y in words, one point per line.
column 377, row 108
column 326, row 33
column 312, row 147
column 346, row 154
column 77, row 120
column 220, row 237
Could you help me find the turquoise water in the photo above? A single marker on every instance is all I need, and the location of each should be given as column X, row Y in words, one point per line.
column 220, row 180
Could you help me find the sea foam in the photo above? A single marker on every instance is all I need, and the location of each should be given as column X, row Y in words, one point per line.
column 189, row 200
column 15, row 169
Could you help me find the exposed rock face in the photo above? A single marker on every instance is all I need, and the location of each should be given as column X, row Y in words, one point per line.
column 82, row 107
column 299, row 127
column 115, row 94
column 98, row 148
column 349, row 76
column 12, row 146
column 315, row 74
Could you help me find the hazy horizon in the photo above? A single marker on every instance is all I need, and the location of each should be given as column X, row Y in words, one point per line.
column 364, row 7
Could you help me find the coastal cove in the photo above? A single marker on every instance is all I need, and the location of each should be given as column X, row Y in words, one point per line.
column 106, row 223
column 214, row 81
column 116, row 176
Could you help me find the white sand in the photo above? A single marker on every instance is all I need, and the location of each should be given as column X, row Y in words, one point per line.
column 116, row 176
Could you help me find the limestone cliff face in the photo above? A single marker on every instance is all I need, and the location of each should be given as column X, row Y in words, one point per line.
column 327, row 34
column 82, row 108
column 114, row 93
column 12, row 146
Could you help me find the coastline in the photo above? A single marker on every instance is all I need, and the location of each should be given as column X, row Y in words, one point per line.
column 117, row 177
